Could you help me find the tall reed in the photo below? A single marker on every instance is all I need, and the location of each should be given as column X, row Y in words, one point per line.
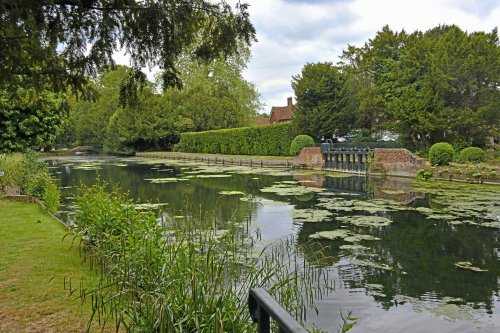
column 176, row 277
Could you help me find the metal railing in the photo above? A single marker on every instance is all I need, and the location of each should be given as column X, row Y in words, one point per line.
column 263, row 306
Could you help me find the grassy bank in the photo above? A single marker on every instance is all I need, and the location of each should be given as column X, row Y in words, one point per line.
column 34, row 263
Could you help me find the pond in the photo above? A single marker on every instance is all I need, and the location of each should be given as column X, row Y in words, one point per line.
column 401, row 255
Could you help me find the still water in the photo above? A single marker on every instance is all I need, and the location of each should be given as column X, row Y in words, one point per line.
column 402, row 256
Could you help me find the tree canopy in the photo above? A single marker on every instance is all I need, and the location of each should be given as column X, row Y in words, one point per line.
column 60, row 44
column 438, row 85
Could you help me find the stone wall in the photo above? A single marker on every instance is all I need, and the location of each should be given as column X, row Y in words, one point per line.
column 396, row 162
column 310, row 157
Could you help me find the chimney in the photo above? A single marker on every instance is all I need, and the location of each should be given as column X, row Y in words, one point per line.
column 289, row 102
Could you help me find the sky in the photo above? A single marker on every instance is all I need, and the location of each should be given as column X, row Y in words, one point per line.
column 291, row 33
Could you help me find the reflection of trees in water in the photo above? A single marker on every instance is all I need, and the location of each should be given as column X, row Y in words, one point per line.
column 425, row 250
column 422, row 254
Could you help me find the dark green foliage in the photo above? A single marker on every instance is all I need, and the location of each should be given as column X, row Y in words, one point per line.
column 62, row 43
column 25, row 174
column 441, row 153
column 323, row 107
column 472, row 154
column 438, row 85
column 258, row 140
column 299, row 142
column 29, row 118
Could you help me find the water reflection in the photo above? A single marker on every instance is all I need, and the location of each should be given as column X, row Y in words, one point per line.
column 404, row 278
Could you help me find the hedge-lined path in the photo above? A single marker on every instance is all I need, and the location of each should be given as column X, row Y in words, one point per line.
column 34, row 263
column 254, row 161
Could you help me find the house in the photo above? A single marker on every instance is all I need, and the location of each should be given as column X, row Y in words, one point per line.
column 282, row 114
column 260, row 121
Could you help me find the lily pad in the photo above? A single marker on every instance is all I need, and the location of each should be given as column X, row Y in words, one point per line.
column 164, row 180
column 231, row 193
column 311, row 215
column 333, row 234
column 367, row 263
column 353, row 247
column 366, row 221
column 359, row 238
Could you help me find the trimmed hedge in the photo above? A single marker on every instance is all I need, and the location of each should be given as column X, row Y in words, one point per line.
column 299, row 142
column 267, row 140
column 472, row 154
column 441, row 153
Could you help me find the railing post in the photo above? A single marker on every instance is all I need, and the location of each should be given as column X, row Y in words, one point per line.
column 263, row 306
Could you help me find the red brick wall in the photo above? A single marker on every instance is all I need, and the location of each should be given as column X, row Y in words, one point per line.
column 398, row 162
column 309, row 156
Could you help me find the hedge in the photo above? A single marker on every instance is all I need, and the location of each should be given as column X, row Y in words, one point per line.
column 267, row 140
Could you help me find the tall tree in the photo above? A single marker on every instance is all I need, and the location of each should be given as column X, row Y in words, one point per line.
column 322, row 108
column 217, row 96
column 30, row 118
column 61, row 43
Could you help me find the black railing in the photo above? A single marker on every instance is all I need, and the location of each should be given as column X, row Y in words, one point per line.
column 263, row 306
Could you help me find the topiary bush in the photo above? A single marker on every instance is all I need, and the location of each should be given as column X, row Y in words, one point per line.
column 441, row 153
column 472, row 154
column 299, row 142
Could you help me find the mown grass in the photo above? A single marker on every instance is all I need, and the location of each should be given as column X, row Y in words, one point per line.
column 35, row 263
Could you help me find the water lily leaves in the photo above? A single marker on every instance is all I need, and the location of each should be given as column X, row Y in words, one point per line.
column 468, row 266
column 149, row 206
column 208, row 176
column 368, row 263
column 311, row 215
column 353, row 247
column 286, row 189
column 164, row 180
column 333, row 234
column 365, row 221
column 358, row 238
column 231, row 193
column 88, row 167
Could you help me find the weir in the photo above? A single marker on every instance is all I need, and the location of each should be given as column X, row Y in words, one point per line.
column 344, row 159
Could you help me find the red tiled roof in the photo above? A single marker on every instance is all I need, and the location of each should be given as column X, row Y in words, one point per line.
column 281, row 113
column 259, row 121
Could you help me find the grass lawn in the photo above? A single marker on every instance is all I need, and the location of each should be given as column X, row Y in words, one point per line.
column 254, row 157
column 34, row 261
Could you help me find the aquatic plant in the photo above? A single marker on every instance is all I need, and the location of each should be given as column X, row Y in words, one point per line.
column 173, row 276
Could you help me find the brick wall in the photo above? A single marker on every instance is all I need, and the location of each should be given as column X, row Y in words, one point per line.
column 397, row 162
column 310, row 157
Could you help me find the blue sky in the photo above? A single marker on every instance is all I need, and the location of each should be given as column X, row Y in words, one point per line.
column 291, row 33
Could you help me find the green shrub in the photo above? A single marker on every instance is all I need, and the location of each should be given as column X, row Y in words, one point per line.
column 51, row 197
column 299, row 142
column 258, row 140
column 25, row 174
column 472, row 154
column 441, row 153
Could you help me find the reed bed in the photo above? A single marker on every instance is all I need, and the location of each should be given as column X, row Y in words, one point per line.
column 163, row 275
